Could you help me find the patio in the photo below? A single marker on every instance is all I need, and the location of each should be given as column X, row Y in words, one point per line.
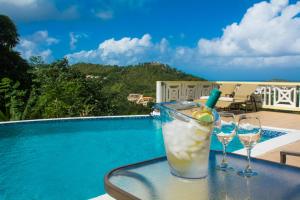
column 279, row 109
column 278, row 105
column 274, row 119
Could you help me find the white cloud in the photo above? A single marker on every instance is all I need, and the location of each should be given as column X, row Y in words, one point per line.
column 105, row 15
column 122, row 52
column 106, row 10
column 36, row 10
column 74, row 39
column 129, row 46
column 267, row 32
column 19, row 2
column 268, row 35
column 43, row 36
column 37, row 44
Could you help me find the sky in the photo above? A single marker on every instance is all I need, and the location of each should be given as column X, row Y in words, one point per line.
column 238, row 40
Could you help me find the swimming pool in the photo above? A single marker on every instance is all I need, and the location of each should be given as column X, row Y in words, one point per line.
column 67, row 159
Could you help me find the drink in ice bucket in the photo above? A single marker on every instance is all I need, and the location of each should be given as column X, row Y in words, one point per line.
column 187, row 128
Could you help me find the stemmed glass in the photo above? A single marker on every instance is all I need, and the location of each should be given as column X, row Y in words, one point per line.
column 225, row 129
column 249, row 133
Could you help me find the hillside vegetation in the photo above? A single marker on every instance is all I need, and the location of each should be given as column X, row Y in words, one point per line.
column 139, row 78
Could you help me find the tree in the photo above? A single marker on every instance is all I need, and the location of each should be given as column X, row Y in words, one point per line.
column 36, row 61
column 61, row 91
column 12, row 99
column 9, row 36
column 12, row 65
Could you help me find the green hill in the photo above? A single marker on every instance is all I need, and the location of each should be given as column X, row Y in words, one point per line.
column 61, row 90
column 139, row 78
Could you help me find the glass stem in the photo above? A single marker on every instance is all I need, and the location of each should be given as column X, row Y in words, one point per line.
column 224, row 160
column 248, row 168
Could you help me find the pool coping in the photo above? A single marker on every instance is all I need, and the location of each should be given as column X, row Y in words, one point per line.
column 75, row 118
column 292, row 135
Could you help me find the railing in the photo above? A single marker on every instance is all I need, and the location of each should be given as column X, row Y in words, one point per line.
column 273, row 95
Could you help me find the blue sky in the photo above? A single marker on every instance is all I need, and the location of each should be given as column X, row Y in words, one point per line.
column 215, row 39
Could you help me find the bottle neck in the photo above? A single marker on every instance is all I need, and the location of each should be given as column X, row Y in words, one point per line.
column 213, row 98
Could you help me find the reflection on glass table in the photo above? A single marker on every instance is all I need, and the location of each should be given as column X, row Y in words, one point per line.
column 152, row 180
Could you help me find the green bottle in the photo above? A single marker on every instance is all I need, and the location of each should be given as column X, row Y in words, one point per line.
column 213, row 98
column 204, row 115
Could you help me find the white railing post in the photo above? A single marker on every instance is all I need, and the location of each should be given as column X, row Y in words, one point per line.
column 299, row 97
column 159, row 92
column 275, row 95
column 265, row 96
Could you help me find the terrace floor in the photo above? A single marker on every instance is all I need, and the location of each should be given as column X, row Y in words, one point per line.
column 279, row 119
column 284, row 121
column 273, row 119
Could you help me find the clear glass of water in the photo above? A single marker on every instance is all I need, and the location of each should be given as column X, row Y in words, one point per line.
column 249, row 133
column 225, row 129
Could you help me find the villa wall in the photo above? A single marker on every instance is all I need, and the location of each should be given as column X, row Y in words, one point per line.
column 273, row 95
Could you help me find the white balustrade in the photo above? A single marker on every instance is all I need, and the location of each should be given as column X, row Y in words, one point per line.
column 182, row 90
column 280, row 96
column 274, row 95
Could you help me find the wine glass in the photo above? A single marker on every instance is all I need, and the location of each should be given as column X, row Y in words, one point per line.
column 249, row 133
column 225, row 129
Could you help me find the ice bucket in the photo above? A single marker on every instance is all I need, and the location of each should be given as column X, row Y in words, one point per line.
column 186, row 139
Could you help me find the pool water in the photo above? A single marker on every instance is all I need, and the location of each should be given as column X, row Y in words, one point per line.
column 235, row 144
column 67, row 159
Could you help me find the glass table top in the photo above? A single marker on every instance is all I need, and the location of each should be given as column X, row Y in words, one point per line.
column 152, row 180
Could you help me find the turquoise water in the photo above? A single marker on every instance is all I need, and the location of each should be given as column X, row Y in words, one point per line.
column 68, row 159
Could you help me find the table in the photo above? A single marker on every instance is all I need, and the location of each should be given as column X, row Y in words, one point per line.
column 152, row 180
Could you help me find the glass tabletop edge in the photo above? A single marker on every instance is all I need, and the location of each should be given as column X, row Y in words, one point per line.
column 118, row 193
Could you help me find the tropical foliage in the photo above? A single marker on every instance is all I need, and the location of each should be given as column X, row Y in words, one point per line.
column 33, row 89
column 139, row 78
column 12, row 65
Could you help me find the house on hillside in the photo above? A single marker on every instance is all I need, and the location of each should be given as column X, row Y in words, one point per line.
column 145, row 100
column 91, row 77
column 134, row 97
column 140, row 99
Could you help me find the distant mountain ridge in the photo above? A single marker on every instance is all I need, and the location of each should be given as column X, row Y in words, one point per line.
column 140, row 78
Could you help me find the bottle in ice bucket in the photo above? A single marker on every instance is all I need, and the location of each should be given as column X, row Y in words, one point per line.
column 187, row 128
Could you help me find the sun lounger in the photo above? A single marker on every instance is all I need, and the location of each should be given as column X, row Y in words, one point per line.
column 242, row 97
column 227, row 89
column 283, row 155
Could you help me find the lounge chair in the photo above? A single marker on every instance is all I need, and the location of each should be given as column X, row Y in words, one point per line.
column 242, row 97
column 227, row 89
column 283, row 155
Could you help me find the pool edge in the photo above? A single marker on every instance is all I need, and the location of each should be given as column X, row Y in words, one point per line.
column 75, row 118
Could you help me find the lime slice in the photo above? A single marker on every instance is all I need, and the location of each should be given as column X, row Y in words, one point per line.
column 203, row 116
column 177, row 163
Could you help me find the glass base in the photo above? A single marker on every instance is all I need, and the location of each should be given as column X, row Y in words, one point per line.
column 190, row 174
column 224, row 167
column 188, row 177
column 247, row 173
